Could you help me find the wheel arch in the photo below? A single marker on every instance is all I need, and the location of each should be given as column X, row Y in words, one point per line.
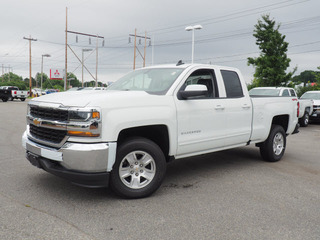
column 281, row 120
column 159, row 134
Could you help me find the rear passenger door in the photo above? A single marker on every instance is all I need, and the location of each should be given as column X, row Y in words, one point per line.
column 237, row 109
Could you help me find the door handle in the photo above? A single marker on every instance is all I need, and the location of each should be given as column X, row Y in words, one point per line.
column 246, row 106
column 219, row 107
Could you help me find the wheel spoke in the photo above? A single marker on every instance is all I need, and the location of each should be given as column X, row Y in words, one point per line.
column 124, row 172
column 147, row 174
column 135, row 182
column 146, row 159
column 278, row 144
column 131, row 158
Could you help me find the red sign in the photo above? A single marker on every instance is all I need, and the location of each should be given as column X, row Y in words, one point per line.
column 56, row 74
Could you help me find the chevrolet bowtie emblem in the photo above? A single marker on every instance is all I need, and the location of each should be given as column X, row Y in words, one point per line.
column 36, row 122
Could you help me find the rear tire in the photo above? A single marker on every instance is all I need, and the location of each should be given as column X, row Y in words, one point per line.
column 22, row 99
column 4, row 99
column 304, row 121
column 139, row 168
column 274, row 147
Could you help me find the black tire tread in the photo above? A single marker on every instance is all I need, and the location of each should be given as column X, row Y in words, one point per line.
column 266, row 148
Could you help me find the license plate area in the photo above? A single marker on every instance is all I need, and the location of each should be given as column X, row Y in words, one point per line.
column 33, row 159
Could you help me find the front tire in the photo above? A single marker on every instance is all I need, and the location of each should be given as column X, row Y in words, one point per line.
column 304, row 121
column 139, row 168
column 273, row 148
column 22, row 99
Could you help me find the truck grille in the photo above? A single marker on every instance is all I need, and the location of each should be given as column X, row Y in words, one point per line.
column 45, row 134
column 49, row 113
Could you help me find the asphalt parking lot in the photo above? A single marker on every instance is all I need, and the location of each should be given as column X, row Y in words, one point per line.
column 226, row 195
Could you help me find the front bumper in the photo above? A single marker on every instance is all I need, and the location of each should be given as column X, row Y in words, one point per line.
column 315, row 116
column 94, row 180
column 81, row 163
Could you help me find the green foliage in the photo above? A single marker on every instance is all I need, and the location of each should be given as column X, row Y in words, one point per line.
column 26, row 81
column 73, row 80
column 305, row 77
column 11, row 79
column 253, row 84
column 93, row 84
column 271, row 65
column 317, row 77
column 302, row 90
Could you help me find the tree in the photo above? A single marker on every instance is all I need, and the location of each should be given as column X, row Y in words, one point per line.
column 11, row 79
column 305, row 77
column 271, row 65
column 317, row 77
column 73, row 80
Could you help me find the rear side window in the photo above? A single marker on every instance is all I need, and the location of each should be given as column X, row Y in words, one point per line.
column 285, row 93
column 232, row 84
column 293, row 93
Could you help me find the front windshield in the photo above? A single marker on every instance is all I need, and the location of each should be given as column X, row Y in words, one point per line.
column 264, row 92
column 154, row 81
column 311, row 95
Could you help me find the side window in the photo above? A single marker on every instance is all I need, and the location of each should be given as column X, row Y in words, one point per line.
column 285, row 93
column 232, row 84
column 205, row 77
column 293, row 93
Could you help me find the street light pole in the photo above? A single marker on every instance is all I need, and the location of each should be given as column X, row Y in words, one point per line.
column 84, row 50
column 192, row 28
column 44, row 55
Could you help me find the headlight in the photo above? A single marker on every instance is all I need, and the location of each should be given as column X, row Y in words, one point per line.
column 84, row 122
column 28, row 110
column 83, row 115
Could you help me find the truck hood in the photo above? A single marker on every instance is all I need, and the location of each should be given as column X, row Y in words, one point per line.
column 316, row 102
column 98, row 98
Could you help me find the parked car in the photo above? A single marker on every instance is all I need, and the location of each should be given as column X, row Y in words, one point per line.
column 4, row 94
column 48, row 91
column 305, row 105
column 124, row 136
column 15, row 93
column 37, row 92
column 75, row 89
column 315, row 97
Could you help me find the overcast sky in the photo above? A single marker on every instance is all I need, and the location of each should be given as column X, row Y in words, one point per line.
column 226, row 37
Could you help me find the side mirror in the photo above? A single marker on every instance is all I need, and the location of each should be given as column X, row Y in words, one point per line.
column 194, row 90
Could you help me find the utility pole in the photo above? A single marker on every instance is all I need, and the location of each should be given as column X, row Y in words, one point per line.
column 137, row 49
column 66, row 53
column 97, row 62
column 30, row 79
column 82, row 62
column 145, row 46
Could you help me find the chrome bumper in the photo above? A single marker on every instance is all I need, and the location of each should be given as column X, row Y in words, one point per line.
column 82, row 157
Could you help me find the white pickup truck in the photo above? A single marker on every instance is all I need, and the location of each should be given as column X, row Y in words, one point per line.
column 305, row 105
column 123, row 137
column 16, row 93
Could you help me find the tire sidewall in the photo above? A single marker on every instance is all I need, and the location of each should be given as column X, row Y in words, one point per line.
column 138, row 144
column 305, row 119
column 267, row 148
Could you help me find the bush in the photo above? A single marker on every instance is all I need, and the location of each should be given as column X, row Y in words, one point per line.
column 302, row 90
column 20, row 84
